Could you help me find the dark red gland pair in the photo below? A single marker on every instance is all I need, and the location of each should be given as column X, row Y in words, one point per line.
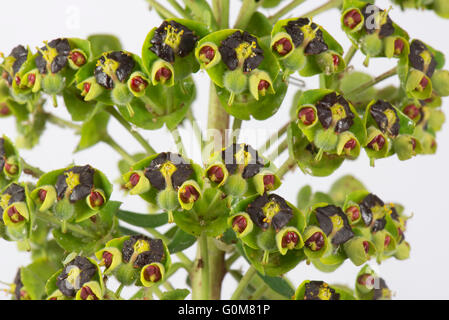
column 412, row 111
column 350, row 144
column 163, row 74
column 423, row 83
column 283, row 46
column 335, row 60
column 86, row 87
column 378, row 141
column 189, row 194
column 11, row 168
column 14, row 215
column 31, row 79
column 398, row 46
column 107, row 259
column 263, row 85
column 4, row 109
column 77, row 58
column 96, row 199
column 366, row 280
column 268, row 182
column 207, row 54
column 86, row 293
column 138, row 84
column 366, row 246
column 352, row 19
column 134, row 179
column 152, row 273
column 353, row 212
column 239, row 224
column 291, row 238
column 307, row 116
column 318, row 239
column 215, row 174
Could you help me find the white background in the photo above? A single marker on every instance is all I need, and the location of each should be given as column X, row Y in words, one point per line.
column 420, row 184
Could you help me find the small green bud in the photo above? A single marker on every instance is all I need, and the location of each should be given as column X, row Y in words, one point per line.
column 52, row 83
column 122, row 96
column 168, row 200
column 126, row 274
column 266, row 240
column 295, row 61
column 440, row 82
column 372, row 45
column 419, row 85
column 406, row 146
column 235, row 185
column 402, row 251
column 44, row 197
column 359, row 250
column 236, row 82
column 330, row 62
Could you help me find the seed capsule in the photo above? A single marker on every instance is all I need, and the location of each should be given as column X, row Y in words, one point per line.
column 307, row 115
column 352, row 19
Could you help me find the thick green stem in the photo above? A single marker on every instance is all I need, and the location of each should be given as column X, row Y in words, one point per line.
column 205, row 274
column 259, row 292
column 244, row 282
column 331, row 4
column 28, row 169
column 236, row 126
column 114, row 145
column 196, row 129
column 285, row 10
column 221, row 12
column 246, row 11
column 178, row 142
column 373, row 82
column 62, row 123
column 279, row 150
column 113, row 112
column 180, row 9
column 350, row 54
column 288, row 165
column 274, row 137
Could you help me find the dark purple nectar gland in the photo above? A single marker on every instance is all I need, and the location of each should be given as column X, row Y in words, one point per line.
column 215, row 174
column 107, row 259
column 307, row 116
column 152, row 273
column 353, row 213
column 263, row 86
column 14, row 215
column 138, row 84
column 315, row 242
column 163, row 75
column 387, row 241
column 352, row 19
column 189, row 194
column 239, row 224
column 398, row 46
column 11, row 168
column 290, row 240
column 351, row 144
column 42, row 194
column 86, row 87
column 377, row 143
column 4, row 109
column 411, row 111
column 335, row 60
column 423, row 84
column 31, row 79
column 283, row 46
column 96, row 199
column 366, row 246
column 366, row 280
column 77, row 58
column 87, row 293
column 268, row 182
column 134, row 179
column 207, row 54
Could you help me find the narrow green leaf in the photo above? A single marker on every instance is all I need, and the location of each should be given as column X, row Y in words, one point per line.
column 177, row 294
column 181, row 241
column 143, row 220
